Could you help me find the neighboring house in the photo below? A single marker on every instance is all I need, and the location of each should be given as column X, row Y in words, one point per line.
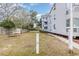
column 60, row 19
column 45, row 22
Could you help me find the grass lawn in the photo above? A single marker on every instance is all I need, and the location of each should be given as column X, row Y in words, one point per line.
column 24, row 45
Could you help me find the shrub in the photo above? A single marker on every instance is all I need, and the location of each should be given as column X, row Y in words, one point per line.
column 8, row 25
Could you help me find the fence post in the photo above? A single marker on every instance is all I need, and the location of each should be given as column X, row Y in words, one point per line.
column 71, row 30
column 37, row 42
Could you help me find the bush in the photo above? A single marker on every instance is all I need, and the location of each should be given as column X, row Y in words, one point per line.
column 24, row 26
column 28, row 27
column 7, row 24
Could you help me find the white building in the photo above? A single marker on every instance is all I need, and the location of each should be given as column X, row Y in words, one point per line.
column 59, row 20
column 45, row 22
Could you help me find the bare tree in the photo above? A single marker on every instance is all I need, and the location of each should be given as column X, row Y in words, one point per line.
column 15, row 12
column 23, row 16
column 7, row 9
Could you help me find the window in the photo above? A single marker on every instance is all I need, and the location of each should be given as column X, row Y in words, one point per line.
column 75, row 29
column 67, row 12
column 76, row 22
column 54, row 6
column 45, row 27
column 43, row 17
column 67, row 22
column 45, row 22
column 67, row 29
column 78, row 30
column 54, row 26
column 76, row 9
column 54, row 17
column 46, row 18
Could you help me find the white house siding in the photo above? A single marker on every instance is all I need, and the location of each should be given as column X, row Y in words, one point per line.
column 76, row 17
column 61, row 17
column 60, row 22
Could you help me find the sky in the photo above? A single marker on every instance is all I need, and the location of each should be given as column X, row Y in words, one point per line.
column 40, row 8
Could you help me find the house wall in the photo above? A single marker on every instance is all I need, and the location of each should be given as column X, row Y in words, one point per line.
column 58, row 19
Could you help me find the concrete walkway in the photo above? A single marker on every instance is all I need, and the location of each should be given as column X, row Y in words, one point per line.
column 75, row 45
